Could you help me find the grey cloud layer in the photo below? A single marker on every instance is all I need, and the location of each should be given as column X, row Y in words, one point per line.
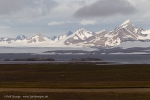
column 102, row 8
column 6, row 6
column 9, row 6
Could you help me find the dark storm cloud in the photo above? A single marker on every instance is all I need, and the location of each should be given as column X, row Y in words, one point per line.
column 102, row 8
column 8, row 6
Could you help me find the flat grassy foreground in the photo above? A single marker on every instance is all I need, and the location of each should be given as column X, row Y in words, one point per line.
column 74, row 76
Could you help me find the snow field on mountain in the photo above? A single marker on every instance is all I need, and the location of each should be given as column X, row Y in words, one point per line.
column 121, row 35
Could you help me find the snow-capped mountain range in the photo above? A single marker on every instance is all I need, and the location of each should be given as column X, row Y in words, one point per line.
column 124, row 33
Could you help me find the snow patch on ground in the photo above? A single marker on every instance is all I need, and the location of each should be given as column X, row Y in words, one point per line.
column 129, row 53
column 41, row 49
column 131, row 44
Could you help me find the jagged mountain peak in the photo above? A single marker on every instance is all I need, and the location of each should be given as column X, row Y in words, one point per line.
column 37, row 38
column 126, row 22
column 21, row 37
column 82, row 31
column 69, row 33
column 79, row 30
column 101, row 31
column 38, row 34
column 126, row 25
column 53, row 38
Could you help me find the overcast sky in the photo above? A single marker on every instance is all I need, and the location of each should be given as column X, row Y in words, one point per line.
column 56, row 17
